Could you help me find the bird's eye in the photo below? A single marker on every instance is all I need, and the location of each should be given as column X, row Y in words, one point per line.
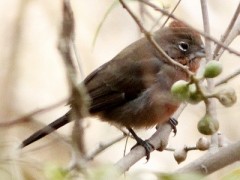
column 183, row 46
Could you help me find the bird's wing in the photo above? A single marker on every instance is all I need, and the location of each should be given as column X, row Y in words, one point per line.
column 116, row 83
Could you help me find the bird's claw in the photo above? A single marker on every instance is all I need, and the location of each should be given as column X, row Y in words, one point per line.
column 173, row 122
column 147, row 146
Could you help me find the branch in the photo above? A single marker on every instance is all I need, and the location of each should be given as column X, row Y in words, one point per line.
column 228, row 77
column 227, row 32
column 200, row 32
column 212, row 162
column 78, row 59
column 27, row 117
column 153, row 42
column 206, row 27
column 171, row 13
column 216, row 158
column 165, row 22
column 159, row 140
column 78, row 101
column 232, row 35
column 104, row 146
column 210, row 103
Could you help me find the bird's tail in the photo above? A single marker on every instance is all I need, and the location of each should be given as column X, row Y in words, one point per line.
column 47, row 129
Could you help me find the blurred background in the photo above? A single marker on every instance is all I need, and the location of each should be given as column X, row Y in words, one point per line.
column 33, row 76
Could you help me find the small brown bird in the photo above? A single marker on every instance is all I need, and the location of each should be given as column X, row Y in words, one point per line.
column 133, row 89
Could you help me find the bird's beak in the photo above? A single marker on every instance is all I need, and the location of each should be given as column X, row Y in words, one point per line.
column 198, row 54
column 201, row 53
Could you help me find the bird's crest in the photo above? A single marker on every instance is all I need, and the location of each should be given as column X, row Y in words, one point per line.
column 178, row 24
column 181, row 25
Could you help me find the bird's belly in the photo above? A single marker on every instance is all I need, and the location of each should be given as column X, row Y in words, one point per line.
column 143, row 112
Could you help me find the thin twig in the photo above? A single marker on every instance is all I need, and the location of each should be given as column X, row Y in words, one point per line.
column 78, row 59
column 142, row 11
column 103, row 146
column 78, row 105
column 206, row 27
column 28, row 117
column 156, row 23
column 234, row 33
column 153, row 42
column 150, row 16
column 169, row 149
column 159, row 19
column 228, row 30
column 171, row 13
column 200, row 32
column 186, row 148
column 193, row 148
column 125, row 146
column 210, row 103
column 67, row 34
column 227, row 78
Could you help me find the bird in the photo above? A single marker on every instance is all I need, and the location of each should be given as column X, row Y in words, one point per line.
column 133, row 89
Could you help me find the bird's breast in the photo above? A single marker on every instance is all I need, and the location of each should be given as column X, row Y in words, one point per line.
column 153, row 106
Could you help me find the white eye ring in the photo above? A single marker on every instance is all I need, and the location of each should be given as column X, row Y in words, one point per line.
column 183, row 46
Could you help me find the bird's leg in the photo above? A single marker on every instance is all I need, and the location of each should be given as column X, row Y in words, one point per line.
column 146, row 144
column 173, row 122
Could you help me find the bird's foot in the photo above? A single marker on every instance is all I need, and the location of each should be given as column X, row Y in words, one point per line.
column 173, row 122
column 146, row 144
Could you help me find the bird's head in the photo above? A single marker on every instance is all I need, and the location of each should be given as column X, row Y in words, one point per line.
column 181, row 43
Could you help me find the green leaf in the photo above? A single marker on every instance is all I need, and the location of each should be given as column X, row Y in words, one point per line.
column 179, row 176
column 234, row 175
column 54, row 172
column 103, row 173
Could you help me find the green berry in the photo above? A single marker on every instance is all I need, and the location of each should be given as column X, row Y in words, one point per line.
column 194, row 96
column 212, row 69
column 207, row 125
column 180, row 90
